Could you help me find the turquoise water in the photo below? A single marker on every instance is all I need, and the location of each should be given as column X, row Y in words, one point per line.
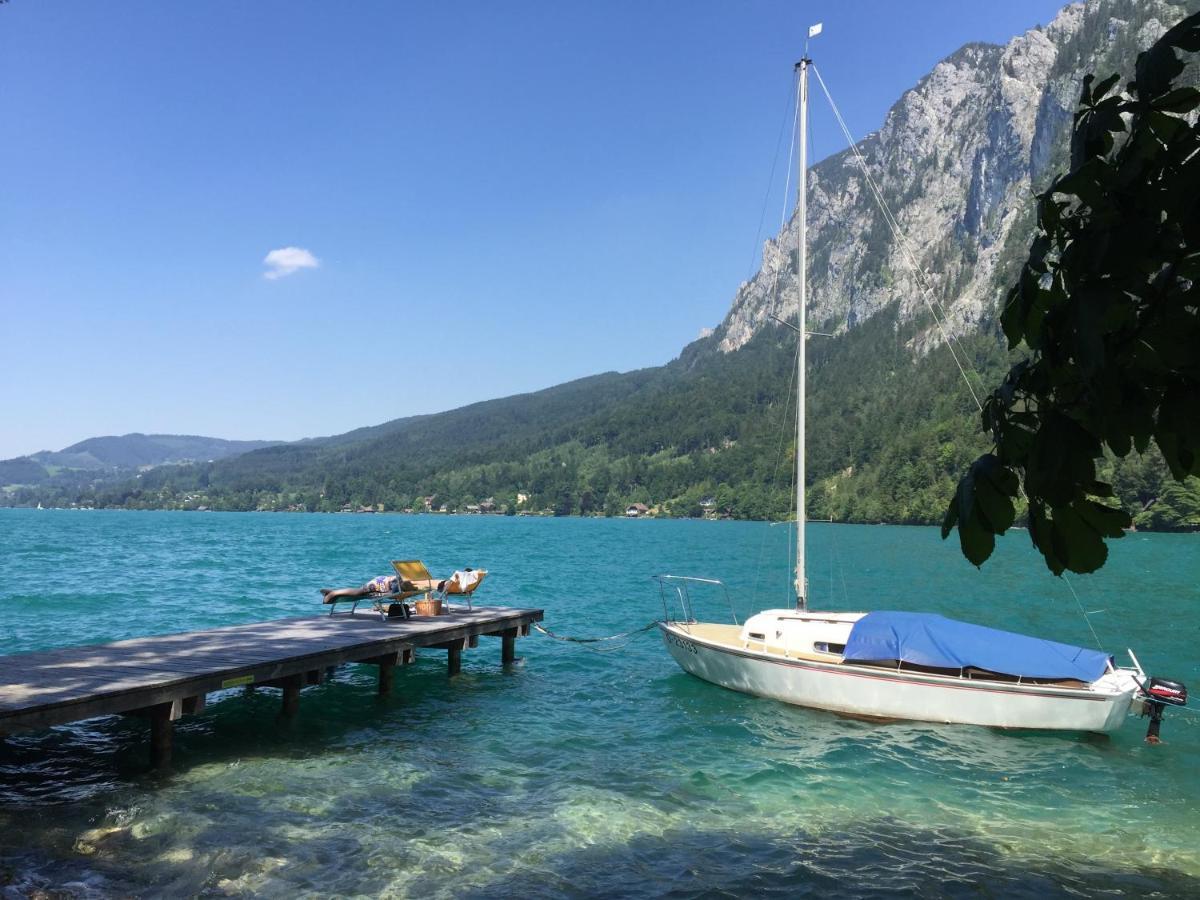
column 580, row 773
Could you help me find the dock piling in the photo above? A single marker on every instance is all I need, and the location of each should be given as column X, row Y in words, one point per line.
column 291, row 695
column 161, row 731
column 162, row 677
column 508, row 649
column 387, row 671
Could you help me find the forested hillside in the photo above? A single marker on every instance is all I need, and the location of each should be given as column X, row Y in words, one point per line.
column 709, row 434
column 105, row 459
column 891, row 424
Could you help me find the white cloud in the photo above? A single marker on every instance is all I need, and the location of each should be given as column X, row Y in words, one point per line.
column 287, row 260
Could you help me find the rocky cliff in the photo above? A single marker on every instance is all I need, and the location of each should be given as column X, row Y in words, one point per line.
column 957, row 160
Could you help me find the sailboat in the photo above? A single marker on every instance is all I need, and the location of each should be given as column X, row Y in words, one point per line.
column 900, row 665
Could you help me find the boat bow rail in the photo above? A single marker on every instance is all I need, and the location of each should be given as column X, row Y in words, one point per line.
column 677, row 586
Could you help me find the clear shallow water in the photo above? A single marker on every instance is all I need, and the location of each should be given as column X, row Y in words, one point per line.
column 578, row 773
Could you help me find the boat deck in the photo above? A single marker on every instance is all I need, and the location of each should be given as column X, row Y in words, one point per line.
column 731, row 636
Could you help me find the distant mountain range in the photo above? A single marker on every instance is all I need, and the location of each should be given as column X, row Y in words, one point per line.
column 101, row 459
column 891, row 427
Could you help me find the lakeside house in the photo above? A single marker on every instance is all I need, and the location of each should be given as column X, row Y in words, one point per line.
column 636, row 510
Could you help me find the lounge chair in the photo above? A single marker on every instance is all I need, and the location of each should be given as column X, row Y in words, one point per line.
column 413, row 573
column 460, row 584
column 387, row 605
column 463, row 584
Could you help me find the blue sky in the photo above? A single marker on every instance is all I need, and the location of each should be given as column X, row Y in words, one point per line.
column 493, row 197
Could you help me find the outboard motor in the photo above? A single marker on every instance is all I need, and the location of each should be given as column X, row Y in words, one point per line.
column 1161, row 692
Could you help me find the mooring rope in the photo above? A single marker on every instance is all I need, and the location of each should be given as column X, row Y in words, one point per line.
column 592, row 640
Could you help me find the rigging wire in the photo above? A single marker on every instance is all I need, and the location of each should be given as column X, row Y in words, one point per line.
column 841, row 570
column 762, row 216
column 893, row 224
column 787, row 183
column 1083, row 612
column 787, row 396
column 927, row 294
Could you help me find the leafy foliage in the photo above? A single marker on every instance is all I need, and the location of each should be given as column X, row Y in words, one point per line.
column 1107, row 305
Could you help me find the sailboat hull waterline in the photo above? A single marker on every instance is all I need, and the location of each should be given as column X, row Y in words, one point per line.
column 718, row 654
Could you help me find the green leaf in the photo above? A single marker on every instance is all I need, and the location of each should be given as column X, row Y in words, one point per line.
column 1185, row 35
column 1041, row 533
column 1087, row 182
column 1156, row 68
column 1104, row 520
column 1181, row 100
column 976, row 541
column 997, row 509
column 965, row 498
column 1078, row 544
column 1104, row 87
column 1012, row 317
column 1085, row 97
column 994, row 485
column 951, row 517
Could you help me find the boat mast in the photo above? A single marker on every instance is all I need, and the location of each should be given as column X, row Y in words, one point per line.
column 801, row 277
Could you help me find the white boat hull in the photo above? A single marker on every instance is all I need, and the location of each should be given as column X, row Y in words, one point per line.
column 870, row 691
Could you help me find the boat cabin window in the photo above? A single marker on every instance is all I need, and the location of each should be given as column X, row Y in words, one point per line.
column 826, row 647
column 755, row 636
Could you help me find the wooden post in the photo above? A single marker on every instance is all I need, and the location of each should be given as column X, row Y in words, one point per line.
column 508, row 647
column 291, row 695
column 387, row 668
column 160, row 735
column 454, row 658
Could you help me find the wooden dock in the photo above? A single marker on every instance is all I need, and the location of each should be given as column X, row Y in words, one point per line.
column 167, row 676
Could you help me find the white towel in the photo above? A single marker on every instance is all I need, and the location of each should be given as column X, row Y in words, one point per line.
column 464, row 580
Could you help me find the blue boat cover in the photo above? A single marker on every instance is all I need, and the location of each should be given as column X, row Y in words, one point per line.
column 926, row 639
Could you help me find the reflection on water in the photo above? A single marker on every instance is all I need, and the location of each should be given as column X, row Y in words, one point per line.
column 575, row 772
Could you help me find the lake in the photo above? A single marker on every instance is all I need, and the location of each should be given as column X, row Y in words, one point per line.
column 579, row 772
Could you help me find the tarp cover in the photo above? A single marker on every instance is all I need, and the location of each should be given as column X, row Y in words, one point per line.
column 925, row 639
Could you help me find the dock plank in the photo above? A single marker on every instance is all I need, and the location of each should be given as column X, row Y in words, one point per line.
column 69, row 683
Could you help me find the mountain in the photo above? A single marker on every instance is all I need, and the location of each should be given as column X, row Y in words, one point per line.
column 891, row 426
column 101, row 459
column 957, row 159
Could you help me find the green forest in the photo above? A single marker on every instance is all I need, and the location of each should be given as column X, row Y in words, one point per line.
column 710, row 434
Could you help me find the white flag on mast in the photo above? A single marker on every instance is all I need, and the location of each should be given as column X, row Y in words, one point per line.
column 814, row 30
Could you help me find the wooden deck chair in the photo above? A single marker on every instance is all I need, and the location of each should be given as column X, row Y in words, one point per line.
column 453, row 586
column 414, row 575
